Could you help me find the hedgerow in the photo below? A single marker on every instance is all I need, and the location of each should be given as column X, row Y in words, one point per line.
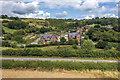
column 63, row 52
column 50, row 65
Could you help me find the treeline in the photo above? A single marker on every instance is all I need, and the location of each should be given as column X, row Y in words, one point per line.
column 50, row 66
column 66, row 24
column 6, row 17
column 63, row 52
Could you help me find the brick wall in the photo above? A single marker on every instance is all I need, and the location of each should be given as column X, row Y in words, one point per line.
column 53, row 38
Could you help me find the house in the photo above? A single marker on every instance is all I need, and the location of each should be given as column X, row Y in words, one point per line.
column 45, row 38
column 75, row 35
column 87, row 28
column 109, row 26
column 80, row 30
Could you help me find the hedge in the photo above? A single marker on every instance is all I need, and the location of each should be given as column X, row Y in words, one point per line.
column 50, row 65
column 62, row 52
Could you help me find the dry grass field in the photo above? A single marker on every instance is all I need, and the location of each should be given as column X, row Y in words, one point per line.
column 7, row 73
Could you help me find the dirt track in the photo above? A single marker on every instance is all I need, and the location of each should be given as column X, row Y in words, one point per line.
column 39, row 74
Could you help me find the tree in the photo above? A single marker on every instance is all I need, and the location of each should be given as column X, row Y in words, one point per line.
column 5, row 44
column 101, row 44
column 18, row 39
column 46, row 23
column 62, row 40
column 13, row 45
column 97, row 26
column 17, row 24
column 4, row 16
column 7, row 36
column 88, row 44
column 74, row 46
column 70, row 42
column 76, row 41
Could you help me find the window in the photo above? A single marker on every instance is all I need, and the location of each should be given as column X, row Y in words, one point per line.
column 78, row 37
column 53, row 40
column 53, row 37
column 42, row 41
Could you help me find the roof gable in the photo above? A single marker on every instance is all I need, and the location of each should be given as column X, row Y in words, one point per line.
column 73, row 35
column 47, row 37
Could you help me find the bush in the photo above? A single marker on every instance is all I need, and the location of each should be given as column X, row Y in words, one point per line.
column 110, row 45
column 74, row 46
column 101, row 44
column 88, row 44
column 63, row 52
column 50, row 65
column 62, row 40
column 5, row 44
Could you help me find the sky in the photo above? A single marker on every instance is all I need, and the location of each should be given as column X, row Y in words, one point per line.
column 60, row 9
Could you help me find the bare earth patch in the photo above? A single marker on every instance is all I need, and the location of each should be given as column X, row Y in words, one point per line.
column 11, row 73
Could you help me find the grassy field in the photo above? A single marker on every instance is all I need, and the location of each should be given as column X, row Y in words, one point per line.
column 31, row 38
column 7, row 30
column 13, row 73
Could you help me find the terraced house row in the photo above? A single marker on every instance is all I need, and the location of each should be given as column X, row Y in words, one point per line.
column 45, row 38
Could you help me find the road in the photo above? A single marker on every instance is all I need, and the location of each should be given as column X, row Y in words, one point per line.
column 55, row 59
column 36, row 41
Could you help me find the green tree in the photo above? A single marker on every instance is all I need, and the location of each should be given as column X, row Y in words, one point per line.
column 88, row 44
column 17, row 24
column 62, row 40
column 76, row 41
column 5, row 44
column 97, row 26
column 74, row 46
column 13, row 45
column 101, row 44
column 70, row 41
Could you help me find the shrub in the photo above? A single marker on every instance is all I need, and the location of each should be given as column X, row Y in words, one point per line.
column 74, row 46
column 62, row 40
column 110, row 45
column 88, row 44
column 67, row 65
column 101, row 44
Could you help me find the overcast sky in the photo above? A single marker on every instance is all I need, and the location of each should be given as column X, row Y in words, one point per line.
column 75, row 9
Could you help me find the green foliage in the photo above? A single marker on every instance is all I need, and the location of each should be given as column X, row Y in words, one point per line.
column 88, row 44
column 63, row 52
column 7, row 36
column 4, row 16
column 74, row 46
column 76, row 41
column 13, row 44
column 14, row 18
column 112, row 45
column 8, row 30
column 70, row 42
column 62, row 40
column 17, row 24
column 5, row 21
column 18, row 38
column 110, row 36
column 5, row 44
column 101, row 44
column 51, row 65
column 97, row 26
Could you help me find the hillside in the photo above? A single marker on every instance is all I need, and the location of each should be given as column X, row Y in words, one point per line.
column 25, row 30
